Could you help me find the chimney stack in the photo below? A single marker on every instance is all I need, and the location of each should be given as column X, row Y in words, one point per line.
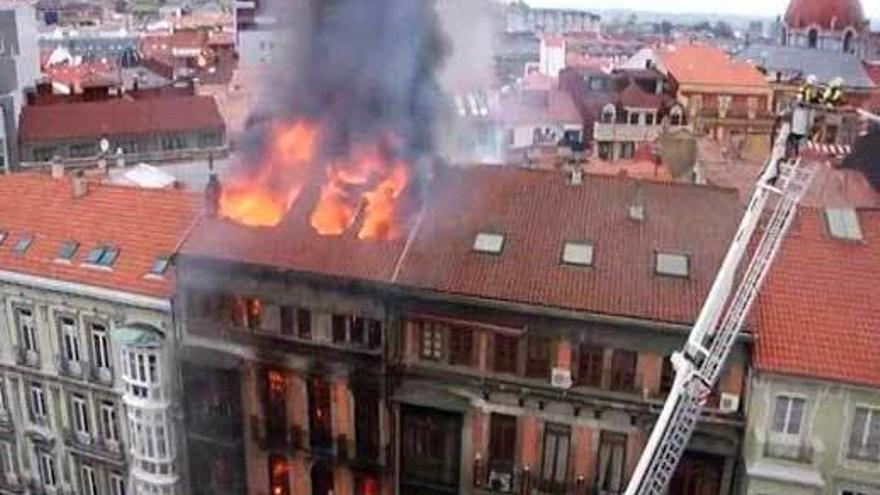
column 57, row 168
column 577, row 176
column 80, row 185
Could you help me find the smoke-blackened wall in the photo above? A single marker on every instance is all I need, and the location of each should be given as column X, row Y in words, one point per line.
column 363, row 70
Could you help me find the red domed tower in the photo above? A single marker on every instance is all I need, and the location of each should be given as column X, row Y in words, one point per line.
column 835, row 25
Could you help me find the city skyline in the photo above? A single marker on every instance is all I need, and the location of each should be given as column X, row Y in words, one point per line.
column 763, row 8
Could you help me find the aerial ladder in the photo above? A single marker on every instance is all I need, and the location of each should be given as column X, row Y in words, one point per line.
column 771, row 209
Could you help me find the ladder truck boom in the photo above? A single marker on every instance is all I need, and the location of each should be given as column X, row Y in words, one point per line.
column 699, row 364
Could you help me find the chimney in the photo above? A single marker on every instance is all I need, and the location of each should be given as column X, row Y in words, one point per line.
column 80, row 185
column 213, row 189
column 120, row 158
column 57, row 169
column 636, row 210
column 577, row 176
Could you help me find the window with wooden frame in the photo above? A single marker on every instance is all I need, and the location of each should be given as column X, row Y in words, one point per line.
column 667, row 375
column 432, row 340
column 502, row 442
column 539, row 352
column 623, row 370
column 461, row 346
column 589, row 366
column 505, row 353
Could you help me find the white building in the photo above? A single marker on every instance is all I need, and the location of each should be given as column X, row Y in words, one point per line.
column 86, row 336
column 256, row 35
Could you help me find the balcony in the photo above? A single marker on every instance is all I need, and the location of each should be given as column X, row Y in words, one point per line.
column 28, row 357
column 97, row 448
column 800, row 452
column 627, row 132
column 71, row 369
column 504, row 477
column 865, row 453
column 11, row 482
column 101, row 375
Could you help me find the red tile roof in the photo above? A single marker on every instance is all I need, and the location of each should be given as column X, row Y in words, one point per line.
column 537, row 211
column 817, row 315
column 114, row 117
column 143, row 223
column 699, row 64
column 636, row 97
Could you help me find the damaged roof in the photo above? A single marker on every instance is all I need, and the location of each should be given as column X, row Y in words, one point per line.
column 526, row 208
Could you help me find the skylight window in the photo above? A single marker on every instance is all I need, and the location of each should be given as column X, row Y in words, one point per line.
column 23, row 244
column 843, row 223
column 68, row 250
column 577, row 253
column 103, row 255
column 673, row 265
column 489, row 243
column 160, row 266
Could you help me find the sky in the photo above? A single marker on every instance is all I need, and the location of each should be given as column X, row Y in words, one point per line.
column 768, row 8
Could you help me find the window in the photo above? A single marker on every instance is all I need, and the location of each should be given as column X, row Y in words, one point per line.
column 6, row 464
column 606, row 150
column 160, row 265
column 117, row 484
column 590, row 362
column 489, row 243
column 279, row 475
column 366, row 424
column 247, row 312
column 675, row 116
column 320, row 428
column 623, row 370
column 109, row 425
column 627, row 149
column 89, row 481
column 461, row 346
column 612, row 455
column 788, row 414
column 357, row 331
column 83, row 150
column 848, row 42
column 673, row 265
column 538, row 356
column 100, row 346
column 38, row 403
column 103, row 255
column 505, row 353
column 80, row 415
column 432, row 341
column 864, row 439
column 27, row 328
column 46, row 465
column 608, row 114
column 502, row 451
column 338, row 328
column 70, row 337
column 44, row 154
column 649, row 119
column 67, row 250
column 23, row 244
column 554, row 466
column 173, row 142
column 577, row 254
column 667, row 375
column 843, row 223
column 813, row 38
column 633, row 118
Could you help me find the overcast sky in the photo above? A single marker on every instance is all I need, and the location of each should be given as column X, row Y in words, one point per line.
column 768, row 8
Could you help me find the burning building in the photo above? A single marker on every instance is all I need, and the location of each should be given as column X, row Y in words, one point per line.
column 494, row 345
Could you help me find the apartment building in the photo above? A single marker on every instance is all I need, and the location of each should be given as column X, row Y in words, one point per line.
column 85, row 335
column 814, row 411
column 497, row 347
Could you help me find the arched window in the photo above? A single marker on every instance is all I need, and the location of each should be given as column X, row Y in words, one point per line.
column 784, row 37
column 848, row 42
column 813, row 38
column 608, row 114
column 675, row 116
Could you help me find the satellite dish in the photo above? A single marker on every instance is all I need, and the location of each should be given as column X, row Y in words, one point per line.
column 105, row 145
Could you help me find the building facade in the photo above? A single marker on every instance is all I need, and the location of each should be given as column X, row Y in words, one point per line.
column 19, row 69
column 814, row 407
column 416, row 366
column 86, row 334
column 256, row 37
column 520, row 18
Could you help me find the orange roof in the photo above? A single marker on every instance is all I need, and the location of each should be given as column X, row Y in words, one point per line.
column 703, row 64
column 143, row 224
column 817, row 315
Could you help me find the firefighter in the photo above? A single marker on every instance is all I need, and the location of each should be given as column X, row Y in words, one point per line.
column 809, row 93
column 833, row 94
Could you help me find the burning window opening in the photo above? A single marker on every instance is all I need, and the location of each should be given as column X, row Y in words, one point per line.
column 247, row 312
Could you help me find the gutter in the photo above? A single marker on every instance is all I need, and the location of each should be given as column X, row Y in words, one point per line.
column 92, row 291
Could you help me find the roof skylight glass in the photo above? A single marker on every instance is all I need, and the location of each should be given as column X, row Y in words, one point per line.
column 23, row 244
column 843, row 223
column 674, row 265
column 68, row 250
column 160, row 265
column 489, row 243
column 103, row 255
column 577, row 253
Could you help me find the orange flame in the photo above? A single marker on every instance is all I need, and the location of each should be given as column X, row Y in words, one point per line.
column 262, row 199
column 363, row 181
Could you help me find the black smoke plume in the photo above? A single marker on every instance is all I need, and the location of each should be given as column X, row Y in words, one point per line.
column 363, row 70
